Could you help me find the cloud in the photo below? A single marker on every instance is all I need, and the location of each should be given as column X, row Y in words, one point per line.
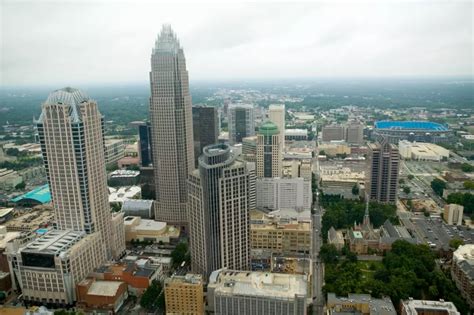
column 88, row 43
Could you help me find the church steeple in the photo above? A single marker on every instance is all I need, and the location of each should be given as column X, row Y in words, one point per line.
column 366, row 221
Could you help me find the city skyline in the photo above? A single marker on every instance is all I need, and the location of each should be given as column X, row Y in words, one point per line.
column 373, row 39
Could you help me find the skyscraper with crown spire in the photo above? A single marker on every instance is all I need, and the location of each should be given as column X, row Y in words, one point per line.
column 171, row 127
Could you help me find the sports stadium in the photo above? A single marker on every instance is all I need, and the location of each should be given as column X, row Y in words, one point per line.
column 421, row 131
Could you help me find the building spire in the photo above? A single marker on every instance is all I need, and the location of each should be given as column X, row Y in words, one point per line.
column 366, row 221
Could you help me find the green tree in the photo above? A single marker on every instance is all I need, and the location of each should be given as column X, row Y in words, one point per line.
column 438, row 186
column 466, row 167
column 410, row 176
column 20, row 186
column 355, row 190
column 401, row 181
column 469, row 184
column 180, row 254
column 151, row 297
column 406, row 190
column 454, row 243
column 329, row 254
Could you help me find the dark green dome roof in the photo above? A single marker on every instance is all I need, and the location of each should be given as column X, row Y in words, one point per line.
column 268, row 129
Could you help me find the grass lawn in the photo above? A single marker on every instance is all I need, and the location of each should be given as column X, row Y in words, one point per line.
column 368, row 268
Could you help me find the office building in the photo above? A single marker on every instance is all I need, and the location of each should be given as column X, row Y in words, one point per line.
column 279, row 235
column 249, row 149
column 114, row 150
column 383, row 163
column 296, row 134
column 424, row 307
column 453, row 214
column 242, row 292
column 241, row 122
column 269, row 151
column 139, row 229
column 145, row 151
column 333, row 133
column 462, row 271
column 354, row 133
column 283, row 193
column 205, row 129
column 184, row 294
column 70, row 130
column 138, row 207
column 219, row 205
column 98, row 296
column 276, row 114
column 171, row 128
column 420, row 151
column 48, row 269
column 359, row 304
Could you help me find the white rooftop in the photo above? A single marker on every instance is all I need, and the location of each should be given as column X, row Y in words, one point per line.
column 55, row 241
column 123, row 193
column 104, row 288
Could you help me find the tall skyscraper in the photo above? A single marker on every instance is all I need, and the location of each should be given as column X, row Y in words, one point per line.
column 144, row 144
column 276, row 113
column 269, row 151
column 171, row 127
column 205, row 129
column 70, row 131
column 241, row 122
column 383, row 159
column 218, row 209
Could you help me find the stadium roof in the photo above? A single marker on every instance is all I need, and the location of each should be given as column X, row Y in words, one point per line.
column 40, row 194
column 410, row 125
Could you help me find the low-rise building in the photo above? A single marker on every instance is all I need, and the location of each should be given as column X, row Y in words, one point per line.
column 296, row 134
column 128, row 161
column 9, row 179
column 245, row 292
column 279, row 235
column 336, row 238
column 101, row 296
column 453, row 214
column 420, row 151
column 48, row 268
column 30, row 221
column 424, row 307
column 123, row 178
column 462, row 271
column 138, row 208
column 140, row 229
column 339, row 180
column 120, row 194
column 184, row 294
column 114, row 150
column 359, row 304
column 334, row 148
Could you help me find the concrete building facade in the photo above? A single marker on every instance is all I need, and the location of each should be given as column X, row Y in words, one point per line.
column 453, row 214
column 184, row 294
column 383, row 163
column 462, row 271
column 276, row 114
column 70, row 130
column 171, row 128
column 219, row 204
column 283, row 193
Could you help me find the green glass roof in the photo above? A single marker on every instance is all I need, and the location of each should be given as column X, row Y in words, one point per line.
column 268, row 129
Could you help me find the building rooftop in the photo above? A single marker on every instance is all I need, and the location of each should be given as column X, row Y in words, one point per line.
column 410, row 125
column 5, row 211
column 268, row 129
column 144, row 224
column 54, row 242
column 189, row 278
column 137, row 204
column 414, row 307
column 123, row 193
column 104, row 288
column 246, row 283
column 40, row 194
column 124, row 173
column 340, row 305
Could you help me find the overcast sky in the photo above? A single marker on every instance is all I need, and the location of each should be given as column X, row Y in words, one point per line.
column 52, row 43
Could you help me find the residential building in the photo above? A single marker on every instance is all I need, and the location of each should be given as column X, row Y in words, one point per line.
column 279, row 235
column 424, row 307
column 242, row 292
column 9, row 179
column 205, row 129
column 139, row 229
column 241, row 122
column 48, row 269
column 462, row 271
column 114, row 150
column 276, row 114
column 101, row 296
column 171, row 128
column 70, row 130
column 269, row 151
column 359, row 304
column 453, row 214
column 219, row 205
column 144, row 145
column 184, row 294
column 383, row 163
column 283, row 193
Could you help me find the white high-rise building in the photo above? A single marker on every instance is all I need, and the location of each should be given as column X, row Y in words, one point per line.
column 283, row 193
column 218, row 209
column 241, row 122
column 70, row 131
column 171, row 128
column 269, row 151
column 453, row 214
column 276, row 113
